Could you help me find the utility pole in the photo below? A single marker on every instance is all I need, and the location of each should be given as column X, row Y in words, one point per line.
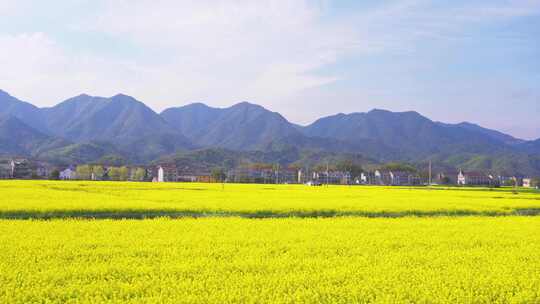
column 277, row 174
column 327, row 173
column 429, row 172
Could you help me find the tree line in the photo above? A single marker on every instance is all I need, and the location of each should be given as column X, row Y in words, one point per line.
column 89, row 172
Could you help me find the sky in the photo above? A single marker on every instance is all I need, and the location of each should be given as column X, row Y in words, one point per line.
column 450, row 60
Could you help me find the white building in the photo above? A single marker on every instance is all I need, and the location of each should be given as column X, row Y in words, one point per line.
column 167, row 173
column 68, row 174
column 160, row 174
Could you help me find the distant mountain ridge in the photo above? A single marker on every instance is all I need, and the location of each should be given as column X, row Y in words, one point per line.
column 243, row 126
column 532, row 146
column 411, row 133
column 491, row 133
column 87, row 128
column 17, row 138
column 120, row 118
column 132, row 126
column 24, row 111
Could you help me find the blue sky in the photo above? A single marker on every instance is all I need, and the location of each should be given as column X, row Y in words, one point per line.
column 452, row 61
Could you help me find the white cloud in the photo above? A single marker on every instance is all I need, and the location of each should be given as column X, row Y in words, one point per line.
column 231, row 49
column 35, row 67
column 8, row 7
column 223, row 51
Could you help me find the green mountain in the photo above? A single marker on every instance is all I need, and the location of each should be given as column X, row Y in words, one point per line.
column 80, row 153
column 17, row 138
column 411, row 134
column 137, row 132
column 532, row 147
column 504, row 164
column 496, row 135
column 193, row 120
column 121, row 129
column 24, row 111
column 373, row 148
column 68, row 118
column 208, row 159
column 244, row 126
column 150, row 147
column 120, row 119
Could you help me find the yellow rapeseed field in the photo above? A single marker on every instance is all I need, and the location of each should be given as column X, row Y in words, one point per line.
column 234, row 260
column 66, row 242
column 34, row 199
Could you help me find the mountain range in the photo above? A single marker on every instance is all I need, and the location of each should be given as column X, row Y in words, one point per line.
column 89, row 129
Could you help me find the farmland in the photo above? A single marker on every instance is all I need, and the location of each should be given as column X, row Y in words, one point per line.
column 71, row 242
column 45, row 199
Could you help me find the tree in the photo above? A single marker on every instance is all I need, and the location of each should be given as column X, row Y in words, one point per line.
column 111, row 160
column 84, row 172
column 55, row 175
column 229, row 164
column 98, row 172
column 140, row 174
column 124, row 173
column 218, row 174
column 445, row 180
column 509, row 183
column 114, row 173
column 349, row 166
column 535, row 182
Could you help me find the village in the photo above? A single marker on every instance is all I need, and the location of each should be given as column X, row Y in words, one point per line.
column 255, row 173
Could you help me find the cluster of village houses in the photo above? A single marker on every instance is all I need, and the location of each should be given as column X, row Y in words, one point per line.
column 25, row 169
